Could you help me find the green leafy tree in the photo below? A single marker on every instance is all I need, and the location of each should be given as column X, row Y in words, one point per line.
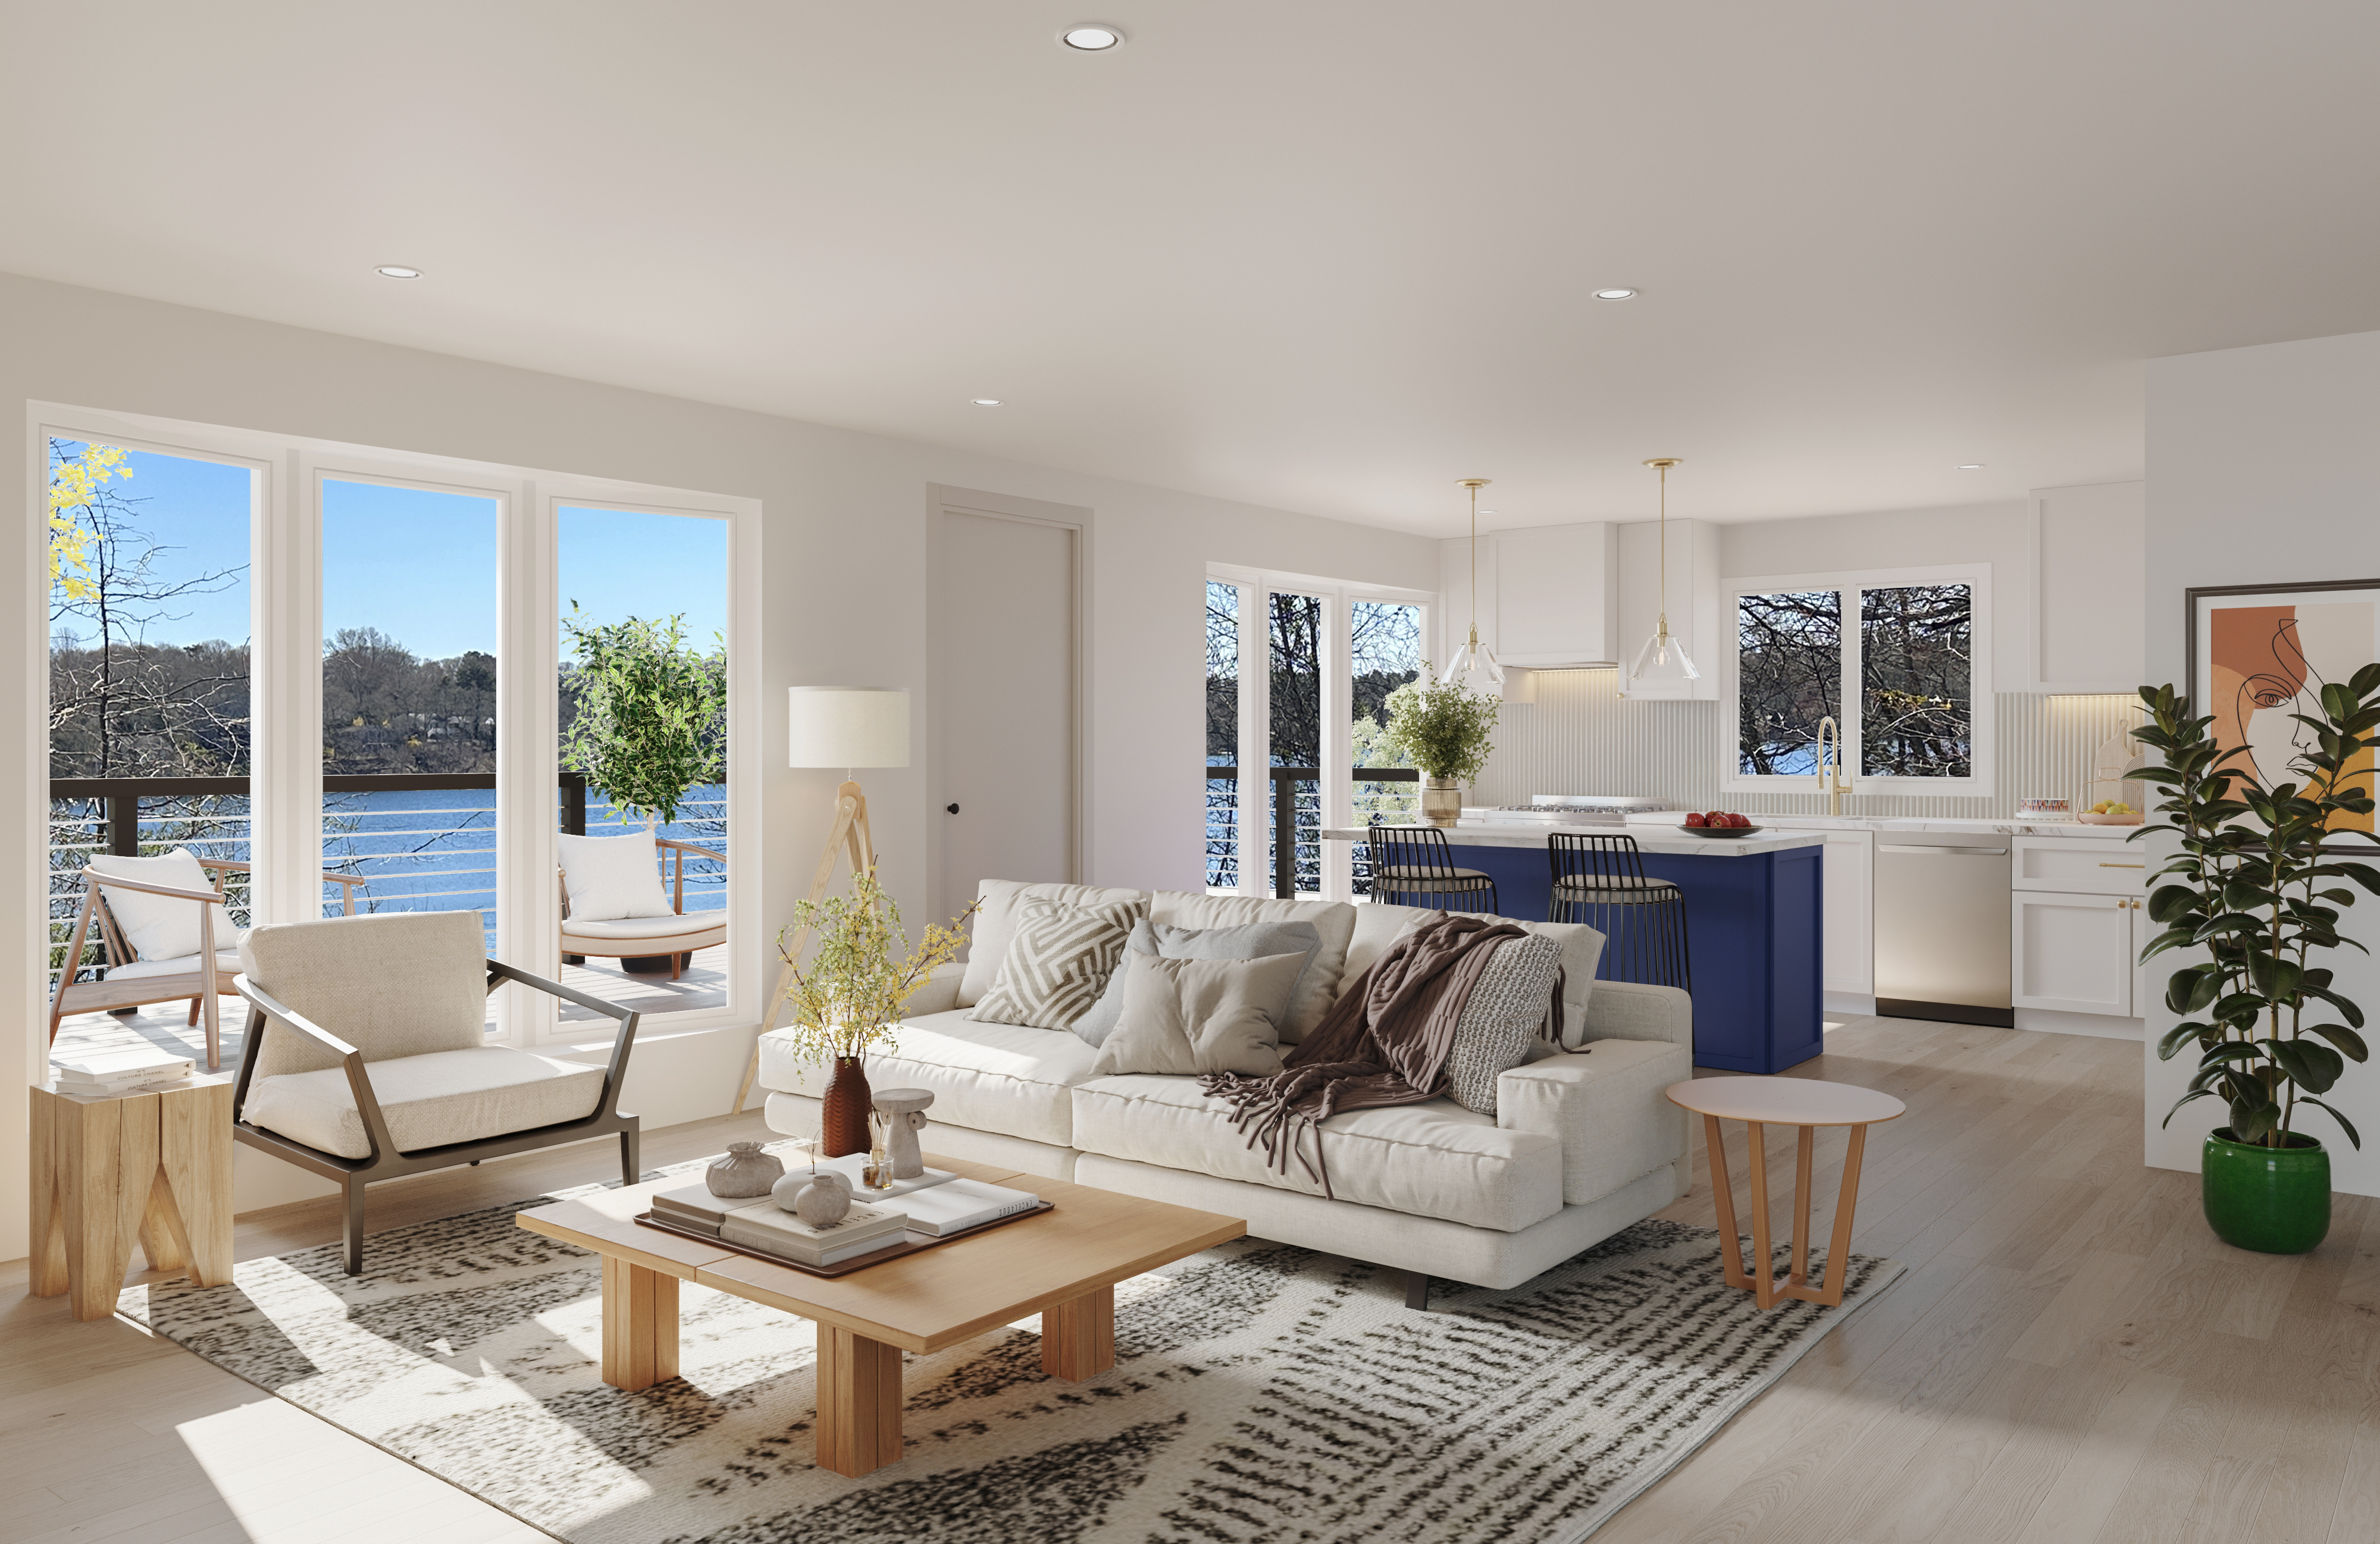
column 2257, row 886
column 647, row 712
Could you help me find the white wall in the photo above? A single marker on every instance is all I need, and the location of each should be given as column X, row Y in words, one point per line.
column 845, row 562
column 2261, row 469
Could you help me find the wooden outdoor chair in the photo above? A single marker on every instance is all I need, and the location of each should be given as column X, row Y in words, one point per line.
column 367, row 1056
column 167, row 971
column 621, row 871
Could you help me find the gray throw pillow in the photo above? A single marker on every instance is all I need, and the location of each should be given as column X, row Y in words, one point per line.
column 1183, row 1018
column 1248, row 940
column 1502, row 1019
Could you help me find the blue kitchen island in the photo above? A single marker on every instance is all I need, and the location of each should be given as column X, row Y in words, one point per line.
column 1754, row 926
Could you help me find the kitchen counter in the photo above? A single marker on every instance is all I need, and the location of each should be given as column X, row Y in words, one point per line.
column 1884, row 825
column 1650, row 837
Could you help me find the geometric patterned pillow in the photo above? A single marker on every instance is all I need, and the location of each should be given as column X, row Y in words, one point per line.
column 1059, row 961
column 1507, row 1008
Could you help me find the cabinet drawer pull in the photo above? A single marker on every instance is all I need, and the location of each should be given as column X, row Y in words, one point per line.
column 1935, row 852
column 2123, row 865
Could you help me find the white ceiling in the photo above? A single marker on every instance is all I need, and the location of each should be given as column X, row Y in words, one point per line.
column 1325, row 255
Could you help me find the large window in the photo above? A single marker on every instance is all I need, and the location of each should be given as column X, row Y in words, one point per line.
column 1899, row 661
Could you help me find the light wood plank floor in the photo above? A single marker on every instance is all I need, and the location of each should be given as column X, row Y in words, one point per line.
column 2072, row 1359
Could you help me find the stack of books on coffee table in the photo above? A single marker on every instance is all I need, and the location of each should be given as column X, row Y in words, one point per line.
column 128, row 1069
column 938, row 1206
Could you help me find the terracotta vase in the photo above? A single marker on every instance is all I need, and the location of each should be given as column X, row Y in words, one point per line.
column 843, row 1125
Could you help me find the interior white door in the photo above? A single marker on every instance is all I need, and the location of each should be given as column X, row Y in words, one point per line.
column 2073, row 952
column 1005, row 625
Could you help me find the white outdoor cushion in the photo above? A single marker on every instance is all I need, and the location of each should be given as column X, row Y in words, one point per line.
column 399, row 983
column 1010, row 1078
column 428, row 1101
column 225, row 959
column 1435, row 1159
column 1378, row 925
column 610, row 877
column 159, row 927
column 1335, row 920
column 995, row 924
column 671, row 925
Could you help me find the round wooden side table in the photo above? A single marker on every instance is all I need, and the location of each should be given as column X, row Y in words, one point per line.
column 1801, row 1102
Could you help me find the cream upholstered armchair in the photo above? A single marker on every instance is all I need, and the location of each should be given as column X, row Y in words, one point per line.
column 367, row 1056
column 613, row 904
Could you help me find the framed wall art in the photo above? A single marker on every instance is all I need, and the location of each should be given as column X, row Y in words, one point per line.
column 2261, row 653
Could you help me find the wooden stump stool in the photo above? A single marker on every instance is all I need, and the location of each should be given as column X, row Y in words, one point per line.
column 108, row 1169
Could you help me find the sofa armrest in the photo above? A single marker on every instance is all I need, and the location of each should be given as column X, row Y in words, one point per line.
column 939, row 995
column 1630, row 1011
column 1605, row 1105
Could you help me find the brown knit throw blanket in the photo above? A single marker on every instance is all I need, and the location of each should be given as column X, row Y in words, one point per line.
column 1383, row 1042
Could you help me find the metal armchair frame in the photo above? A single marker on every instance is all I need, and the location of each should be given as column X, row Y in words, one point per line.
column 386, row 1161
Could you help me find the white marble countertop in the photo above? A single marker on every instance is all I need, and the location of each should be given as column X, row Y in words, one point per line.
column 1649, row 838
column 2073, row 829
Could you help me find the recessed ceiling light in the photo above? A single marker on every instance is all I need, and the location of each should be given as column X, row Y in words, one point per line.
column 985, row 401
column 397, row 271
column 1091, row 39
column 1969, row 467
column 1615, row 294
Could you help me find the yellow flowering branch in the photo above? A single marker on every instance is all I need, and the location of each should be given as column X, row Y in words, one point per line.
column 864, row 971
column 74, row 485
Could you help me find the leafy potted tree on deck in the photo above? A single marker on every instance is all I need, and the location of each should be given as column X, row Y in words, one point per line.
column 2257, row 886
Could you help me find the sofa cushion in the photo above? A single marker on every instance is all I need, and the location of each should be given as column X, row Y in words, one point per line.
column 610, row 879
column 1431, row 1160
column 1501, row 1020
column 396, row 984
column 1253, row 941
column 428, row 1101
column 1378, row 925
column 995, row 924
column 1059, row 961
column 1009, row 1078
column 160, row 927
column 1190, row 1016
column 1335, row 920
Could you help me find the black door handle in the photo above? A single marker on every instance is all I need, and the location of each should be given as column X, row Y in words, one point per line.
column 954, row 809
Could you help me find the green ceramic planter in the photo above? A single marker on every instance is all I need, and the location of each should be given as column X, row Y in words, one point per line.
column 2273, row 1200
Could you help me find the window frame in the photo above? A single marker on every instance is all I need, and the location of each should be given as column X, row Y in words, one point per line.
column 1848, row 583
column 286, row 684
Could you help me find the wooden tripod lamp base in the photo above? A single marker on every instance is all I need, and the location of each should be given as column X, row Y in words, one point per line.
column 849, row 836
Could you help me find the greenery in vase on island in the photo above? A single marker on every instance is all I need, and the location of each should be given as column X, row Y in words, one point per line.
column 1442, row 728
column 863, row 972
column 2256, row 886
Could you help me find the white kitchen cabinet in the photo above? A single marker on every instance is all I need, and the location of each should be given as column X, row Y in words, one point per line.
column 1847, row 872
column 2088, row 595
column 1697, row 615
column 2072, row 952
column 1557, row 594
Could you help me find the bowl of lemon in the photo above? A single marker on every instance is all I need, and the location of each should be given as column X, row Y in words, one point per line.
column 2110, row 812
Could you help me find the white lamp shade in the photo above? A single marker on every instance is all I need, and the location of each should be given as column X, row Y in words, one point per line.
column 847, row 726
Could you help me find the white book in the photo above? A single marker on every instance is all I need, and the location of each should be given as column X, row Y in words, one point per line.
column 769, row 1242
column 851, row 1165
column 96, row 1067
column 964, row 1203
column 771, row 1226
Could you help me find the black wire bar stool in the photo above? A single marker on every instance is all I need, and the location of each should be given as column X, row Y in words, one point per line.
column 1412, row 865
column 1600, row 881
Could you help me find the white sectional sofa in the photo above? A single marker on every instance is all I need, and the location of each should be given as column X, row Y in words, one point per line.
column 1583, row 1143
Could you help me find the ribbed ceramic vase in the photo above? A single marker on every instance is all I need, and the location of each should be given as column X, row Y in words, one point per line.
column 1442, row 801
column 843, row 1125
column 2273, row 1200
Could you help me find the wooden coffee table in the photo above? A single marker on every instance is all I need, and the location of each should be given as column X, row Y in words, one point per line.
column 1063, row 1265
column 1806, row 1102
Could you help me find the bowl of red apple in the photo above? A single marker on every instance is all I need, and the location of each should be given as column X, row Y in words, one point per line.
column 1720, row 823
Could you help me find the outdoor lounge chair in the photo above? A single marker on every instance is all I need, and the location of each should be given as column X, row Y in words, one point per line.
column 367, row 1056
column 159, row 918
column 613, row 906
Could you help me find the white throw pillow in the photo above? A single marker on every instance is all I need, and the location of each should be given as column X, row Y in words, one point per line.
column 1183, row 1018
column 610, row 879
column 159, row 927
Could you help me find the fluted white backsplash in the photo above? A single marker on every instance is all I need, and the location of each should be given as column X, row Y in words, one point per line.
column 1580, row 736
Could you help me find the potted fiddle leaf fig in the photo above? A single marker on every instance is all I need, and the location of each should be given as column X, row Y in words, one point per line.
column 1444, row 729
column 2257, row 889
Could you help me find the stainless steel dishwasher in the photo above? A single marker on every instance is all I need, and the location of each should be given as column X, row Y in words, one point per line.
column 1942, row 927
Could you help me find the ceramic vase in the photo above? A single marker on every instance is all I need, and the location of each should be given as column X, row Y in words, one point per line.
column 1442, row 801
column 842, row 1123
column 2273, row 1200
column 744, row 1172
column 821, row 1198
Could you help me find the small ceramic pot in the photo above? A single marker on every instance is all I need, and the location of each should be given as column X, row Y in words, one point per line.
column 744, row 1172
column 2273, row 1200
column 1442, row 801
column 821, row 1199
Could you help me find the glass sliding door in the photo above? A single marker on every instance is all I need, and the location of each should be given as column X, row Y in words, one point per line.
column 1385, row 651
column 1294, row 696
column 148, row 678
column 1222, row 799
column 643, row 746
column 410, row 686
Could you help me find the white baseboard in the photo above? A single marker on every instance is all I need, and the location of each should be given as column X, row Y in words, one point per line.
column 2105, row 1027
column 1857, row 1004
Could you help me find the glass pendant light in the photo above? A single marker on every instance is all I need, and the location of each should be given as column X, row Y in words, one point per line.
column 1474, row 665
column 1664, row 658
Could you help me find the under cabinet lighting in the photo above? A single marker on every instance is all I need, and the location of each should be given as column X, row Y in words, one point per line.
column 1091, row 40
column 1615, row 294
column 985, row 401
column 397, row 271
column 1968, row 466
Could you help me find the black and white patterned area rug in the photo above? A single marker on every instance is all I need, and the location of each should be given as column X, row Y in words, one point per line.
column 1260, row 1392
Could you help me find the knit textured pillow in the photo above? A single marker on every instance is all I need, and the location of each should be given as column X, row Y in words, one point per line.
column 1506, row 1011
column 1058, row 962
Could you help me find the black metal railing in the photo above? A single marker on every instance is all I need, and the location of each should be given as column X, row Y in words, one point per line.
column 1286, row 809
column 121, row 797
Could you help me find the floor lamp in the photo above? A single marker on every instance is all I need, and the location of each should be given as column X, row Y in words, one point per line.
column 849, row 727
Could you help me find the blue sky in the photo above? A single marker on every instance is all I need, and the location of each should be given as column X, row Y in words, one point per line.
column 420, row 565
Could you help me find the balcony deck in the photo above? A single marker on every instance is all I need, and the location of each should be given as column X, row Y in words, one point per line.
column 704, row 985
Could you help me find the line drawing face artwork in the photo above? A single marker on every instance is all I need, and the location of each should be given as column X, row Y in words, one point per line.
column 2268, row 658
